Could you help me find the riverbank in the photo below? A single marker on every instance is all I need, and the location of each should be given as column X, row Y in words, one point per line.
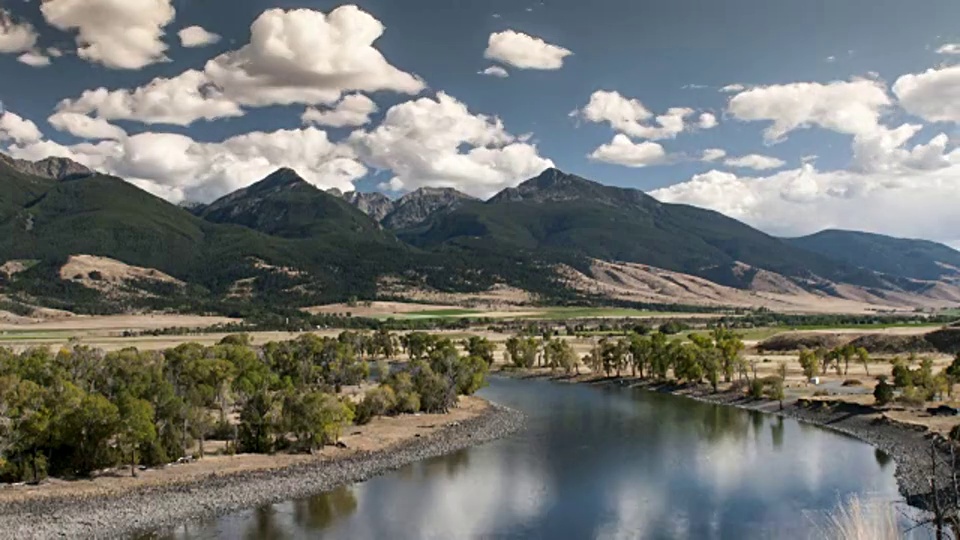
column 908, row 445
column 81, row 512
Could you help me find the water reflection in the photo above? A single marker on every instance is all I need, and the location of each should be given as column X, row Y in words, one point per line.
column 597, row 462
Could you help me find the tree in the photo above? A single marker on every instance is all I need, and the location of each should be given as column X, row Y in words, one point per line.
column 864, row 358
column 480, row 347
column 257, row 424
column 560, row 355
column 640, row 349
column 376, row 402
column 883, row 393
column 775, row 390
column 809, row 363
column 136, row 428
column 29, row 423
column 471, row 374
column 522, row 352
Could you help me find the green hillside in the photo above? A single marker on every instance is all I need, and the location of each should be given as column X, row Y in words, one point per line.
column 915, row 259
column 565, row 217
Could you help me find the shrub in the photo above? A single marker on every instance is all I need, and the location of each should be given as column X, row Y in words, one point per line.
column 377, row 402
column 883, row 393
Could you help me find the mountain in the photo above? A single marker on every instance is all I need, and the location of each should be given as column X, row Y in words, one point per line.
column 418, row 206
column 52, row 167
column 284, row 242
column 292, row 242
column 376, row 205
column 563, row 216
column 913, row 259
column 285, row 205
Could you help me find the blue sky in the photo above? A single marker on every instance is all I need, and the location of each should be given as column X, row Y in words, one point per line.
column 802, row 60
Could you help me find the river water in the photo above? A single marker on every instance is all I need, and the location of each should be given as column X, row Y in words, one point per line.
column 596, row 462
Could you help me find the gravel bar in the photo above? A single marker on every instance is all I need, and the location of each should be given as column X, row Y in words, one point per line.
column 157, row 508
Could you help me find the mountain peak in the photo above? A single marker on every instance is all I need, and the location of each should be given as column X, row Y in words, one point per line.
column 57, row 168
column 554, row 185
column 281, row 178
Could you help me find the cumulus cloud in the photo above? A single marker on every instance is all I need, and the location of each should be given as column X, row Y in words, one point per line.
column 180, row 101
column 805, row 200
column 523, row 51
column 707, row 121
column 197, row 36
column 308, row 57
column 622, row 151
column 495, row 71
column 178, row 168
column 755, row 161
column 949, row 48
column 933, row 95
column 852, row 107
column 34, row 59
column 352, row 110
column 631, row 117
column 713, row 154
column 15, row 36
column 438, row 142
column 119, row 35
column 733, row 88
column 17, row 129
column 298, row 56
column 83, row 126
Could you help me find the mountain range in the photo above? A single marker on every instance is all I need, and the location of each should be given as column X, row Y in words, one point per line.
column 556, row 237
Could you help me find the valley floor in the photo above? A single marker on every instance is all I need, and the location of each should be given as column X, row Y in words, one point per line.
column 116, row 504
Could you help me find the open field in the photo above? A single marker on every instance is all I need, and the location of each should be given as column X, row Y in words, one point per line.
column 409, row 311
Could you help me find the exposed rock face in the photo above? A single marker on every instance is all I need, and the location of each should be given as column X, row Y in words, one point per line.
column 376, row 205
column 414, row 208
column 51, row 167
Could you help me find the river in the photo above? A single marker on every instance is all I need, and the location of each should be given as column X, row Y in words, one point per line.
column 596, row 462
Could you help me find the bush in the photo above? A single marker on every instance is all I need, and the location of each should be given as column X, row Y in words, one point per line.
column 377, row 402
column 913, row 397
column 883, row 393
column 756, row 389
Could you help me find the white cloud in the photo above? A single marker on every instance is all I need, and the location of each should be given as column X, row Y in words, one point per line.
column 197, row 36
column 949, row 48
column 733, row 88
column 495, row 71
column 629, row 116
column 18, row 129
column 179, row 101
column 755, row 161
column 707, row 121
column 178, row 168
column 54, row 52
column 83, row 126
column 123, row 34
column 852, row 107
column 305, row 56
column 15, row 37
column 438, row 142
column 713, row 154
column 622, row 151
column 921, row 204
column 297, row 56
column 352, row 110
column 34, row 59
column 933, row 95
column 523, row 51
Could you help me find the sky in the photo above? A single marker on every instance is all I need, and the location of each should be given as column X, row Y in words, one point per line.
column 792, row 116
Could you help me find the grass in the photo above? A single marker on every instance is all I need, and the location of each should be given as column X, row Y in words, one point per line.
column 436, row 314
column 592, row 312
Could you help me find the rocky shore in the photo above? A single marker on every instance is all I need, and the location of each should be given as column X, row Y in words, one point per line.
column 156, row 508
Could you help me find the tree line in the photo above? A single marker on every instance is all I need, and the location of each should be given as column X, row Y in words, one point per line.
column 71, row 412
